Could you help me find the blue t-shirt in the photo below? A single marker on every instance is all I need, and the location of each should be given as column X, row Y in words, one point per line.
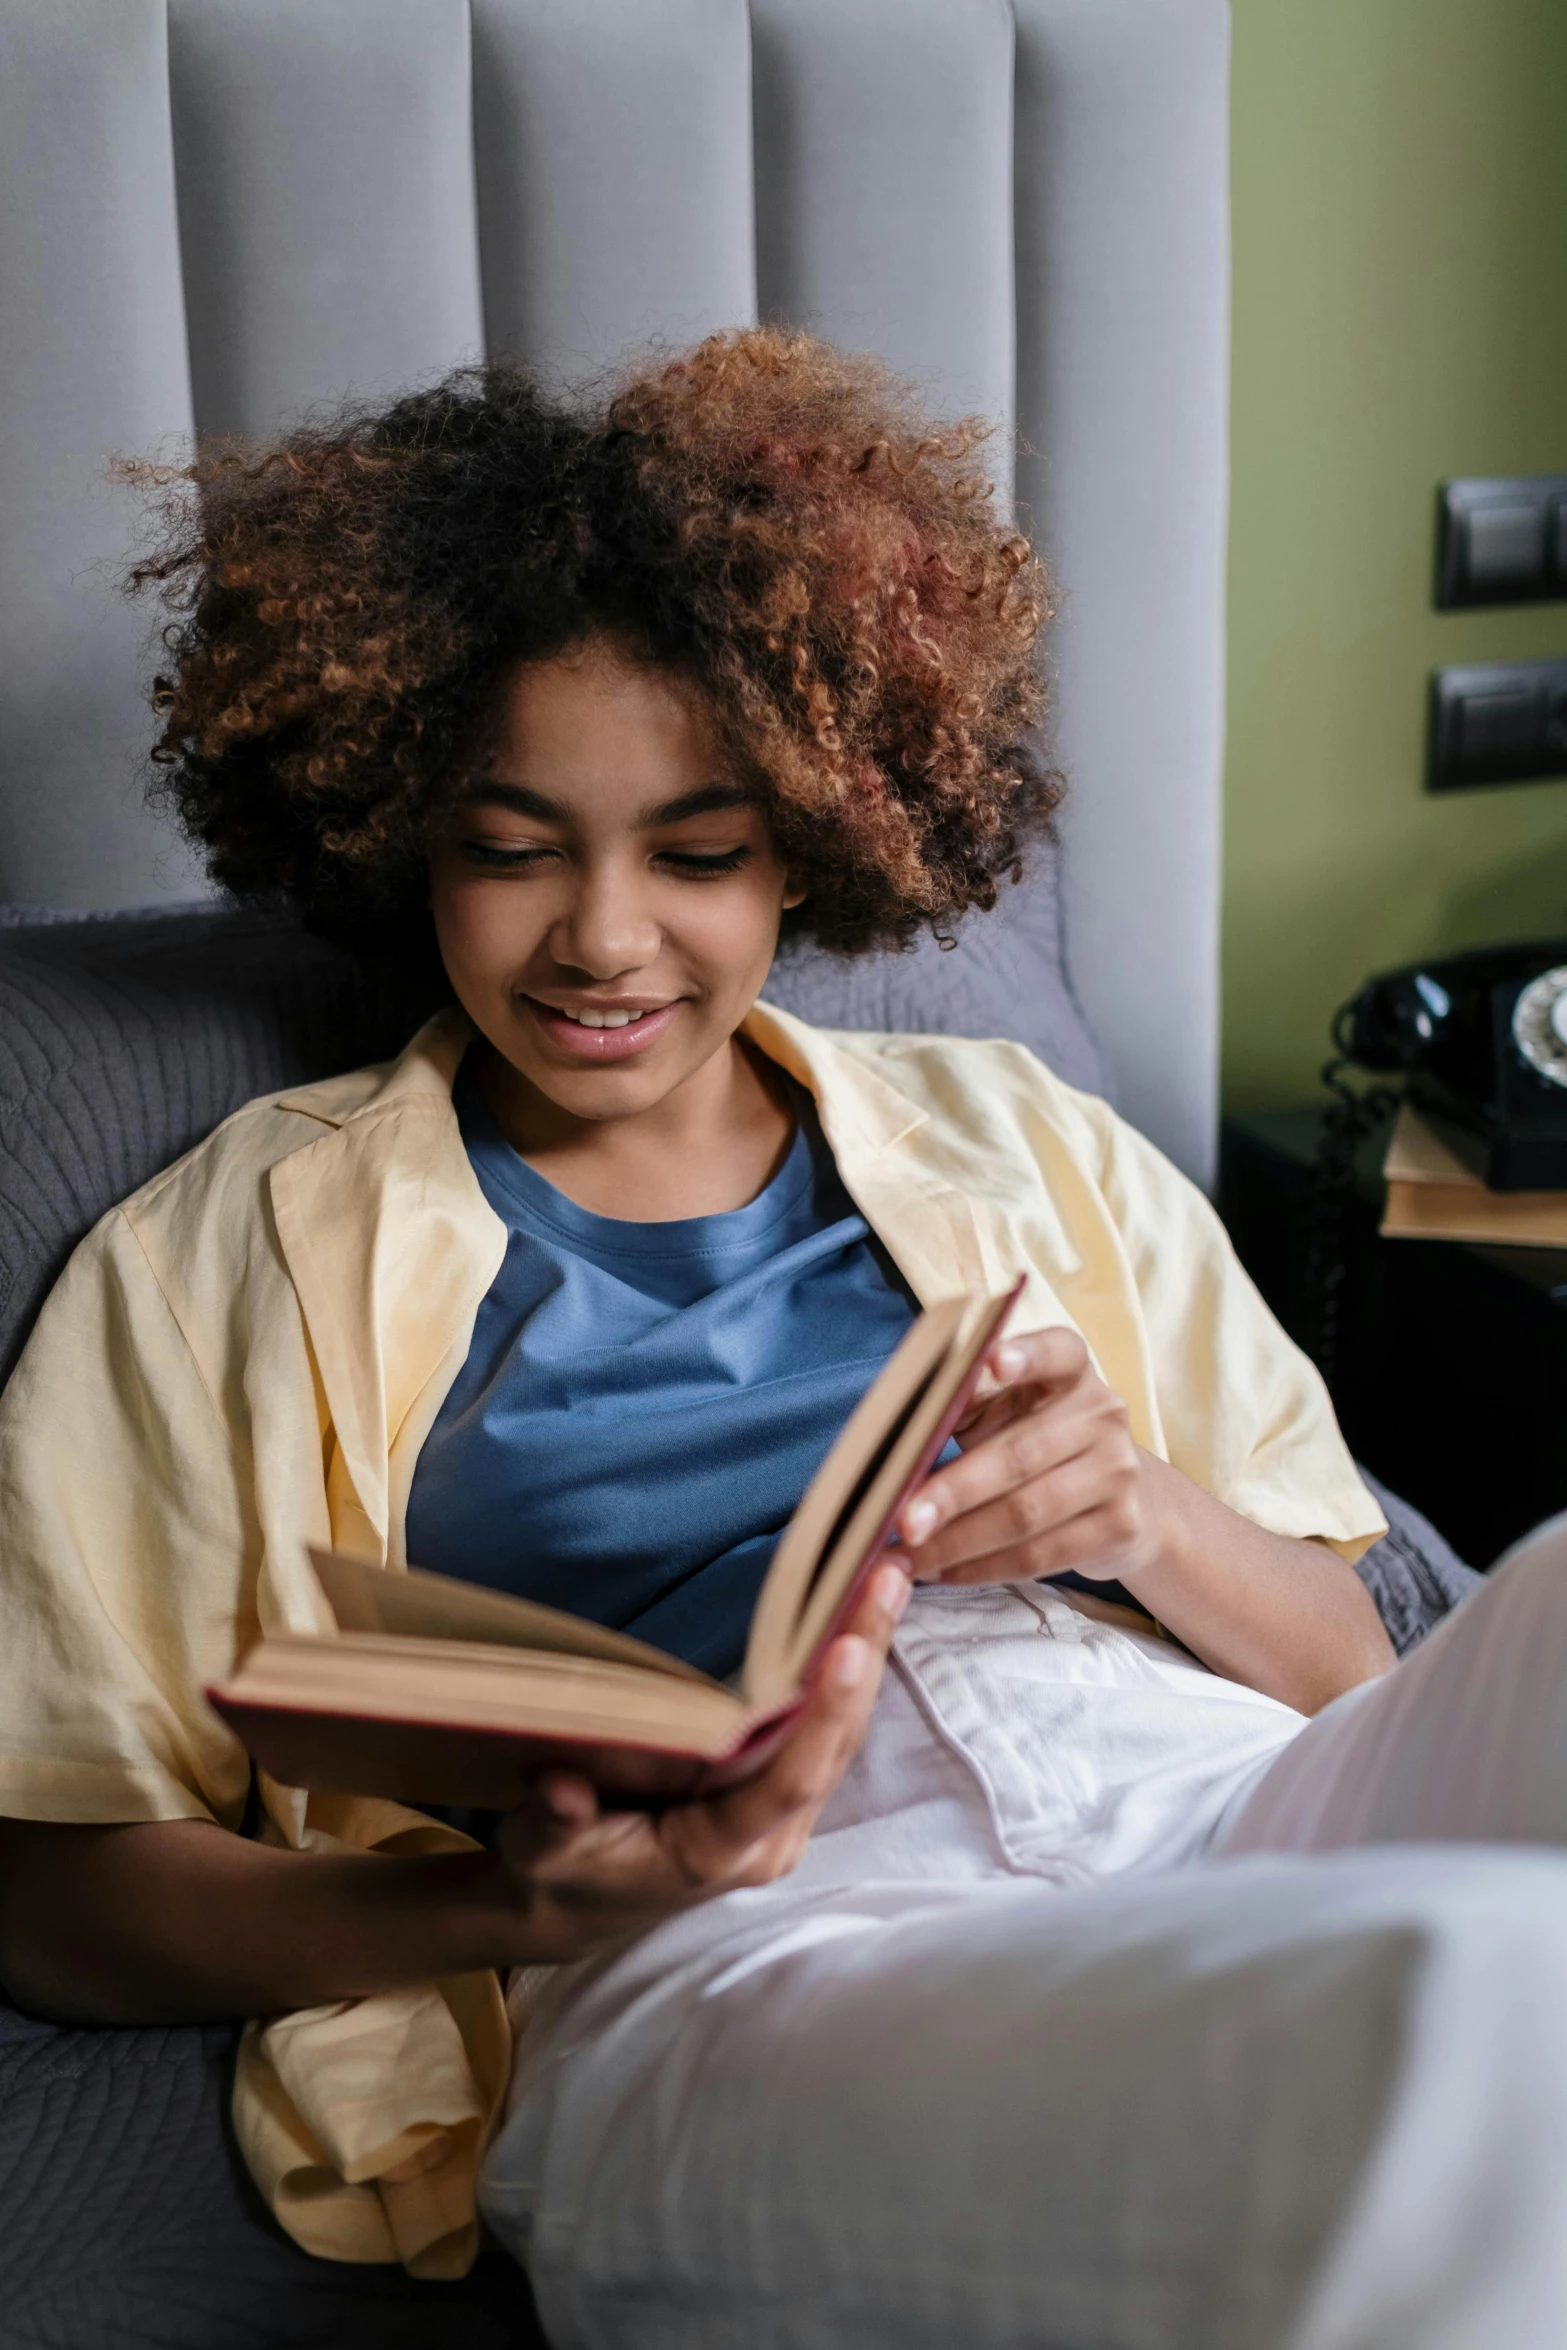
column 644, row 1404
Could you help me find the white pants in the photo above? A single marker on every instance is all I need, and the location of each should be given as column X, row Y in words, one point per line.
column 1305, row 2087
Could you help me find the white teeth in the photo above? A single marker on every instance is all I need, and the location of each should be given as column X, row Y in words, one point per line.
column 603, row 1019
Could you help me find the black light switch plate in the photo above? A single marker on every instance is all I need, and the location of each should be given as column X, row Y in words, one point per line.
column 1498, row 722
column 1501, row 539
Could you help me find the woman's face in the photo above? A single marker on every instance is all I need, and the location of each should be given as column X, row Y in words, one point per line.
column 607, row 900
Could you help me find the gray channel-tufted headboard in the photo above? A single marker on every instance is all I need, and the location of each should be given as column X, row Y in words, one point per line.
column 216, row 212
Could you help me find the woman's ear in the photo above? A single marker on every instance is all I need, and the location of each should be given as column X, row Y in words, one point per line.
column 794, row 893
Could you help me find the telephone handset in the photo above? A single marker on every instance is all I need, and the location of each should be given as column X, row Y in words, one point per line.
column 1482, row 1037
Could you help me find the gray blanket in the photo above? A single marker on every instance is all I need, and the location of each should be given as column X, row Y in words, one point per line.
column 127, row 2221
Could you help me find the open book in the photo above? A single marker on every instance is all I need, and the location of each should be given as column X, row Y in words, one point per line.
column 436, row 1691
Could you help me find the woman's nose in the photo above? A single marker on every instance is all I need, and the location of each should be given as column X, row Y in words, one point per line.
column 603, row 930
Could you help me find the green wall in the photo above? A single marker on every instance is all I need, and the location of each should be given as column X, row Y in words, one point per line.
column 1400, row 221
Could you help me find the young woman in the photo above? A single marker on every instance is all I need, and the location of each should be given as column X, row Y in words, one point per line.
column 983, row 2034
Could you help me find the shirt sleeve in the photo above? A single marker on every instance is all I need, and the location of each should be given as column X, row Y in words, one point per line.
column 1244, row 1413
column 126, row 1558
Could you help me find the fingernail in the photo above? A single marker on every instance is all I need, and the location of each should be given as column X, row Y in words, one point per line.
column 892, row 1592
column 850, row 1657
column 567, row 1801
column 1011, row 1362
column 919, row 1519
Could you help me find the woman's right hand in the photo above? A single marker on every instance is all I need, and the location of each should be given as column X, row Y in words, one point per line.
column 581, row 1877
column 175, row 1921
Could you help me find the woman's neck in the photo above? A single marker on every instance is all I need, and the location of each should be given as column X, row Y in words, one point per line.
column 707, row 1147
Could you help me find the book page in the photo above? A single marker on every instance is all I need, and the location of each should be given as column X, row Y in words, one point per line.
column 814, row 1529
column 364, row 1598
column 915, row 1445
column 1467, row 1211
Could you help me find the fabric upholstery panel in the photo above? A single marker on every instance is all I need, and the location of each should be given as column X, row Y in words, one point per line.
column 614, row 175
column 325, row 162
column 1122, row 405
column 884, row 189
column 92, row 362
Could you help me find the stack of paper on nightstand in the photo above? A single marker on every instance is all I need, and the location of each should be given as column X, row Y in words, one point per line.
column 1432, row 1195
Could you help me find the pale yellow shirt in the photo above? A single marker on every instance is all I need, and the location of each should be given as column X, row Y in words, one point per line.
column 247, row 1356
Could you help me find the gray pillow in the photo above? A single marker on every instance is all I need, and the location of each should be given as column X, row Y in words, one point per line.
column 1413, row 1574
column 1006, row 976
column 125, row 1038
column 128, row 2222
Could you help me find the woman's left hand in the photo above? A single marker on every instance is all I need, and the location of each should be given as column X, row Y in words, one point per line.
column 1050, row 1479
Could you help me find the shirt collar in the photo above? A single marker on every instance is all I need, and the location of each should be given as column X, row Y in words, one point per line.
column 860, row 1111
column 425, row 1070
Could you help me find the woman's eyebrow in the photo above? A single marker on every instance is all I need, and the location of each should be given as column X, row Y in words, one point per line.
column 521, row 801
column 706, row 801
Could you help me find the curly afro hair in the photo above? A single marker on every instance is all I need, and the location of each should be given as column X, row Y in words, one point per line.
column 778, row 523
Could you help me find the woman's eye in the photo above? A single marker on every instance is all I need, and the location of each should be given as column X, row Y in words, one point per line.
column 690, row 864
column 496, row 859
column 693, row 864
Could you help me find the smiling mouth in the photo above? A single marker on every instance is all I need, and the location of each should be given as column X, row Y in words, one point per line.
column 604, row 1019
column 601, row 1034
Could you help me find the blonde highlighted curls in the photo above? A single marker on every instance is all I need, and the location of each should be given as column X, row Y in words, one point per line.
column 778, row 523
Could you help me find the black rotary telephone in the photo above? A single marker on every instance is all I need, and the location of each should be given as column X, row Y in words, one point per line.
column 1481, row 1041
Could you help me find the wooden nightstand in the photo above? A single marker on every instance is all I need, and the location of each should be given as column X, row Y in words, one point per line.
column 1452, row 1356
